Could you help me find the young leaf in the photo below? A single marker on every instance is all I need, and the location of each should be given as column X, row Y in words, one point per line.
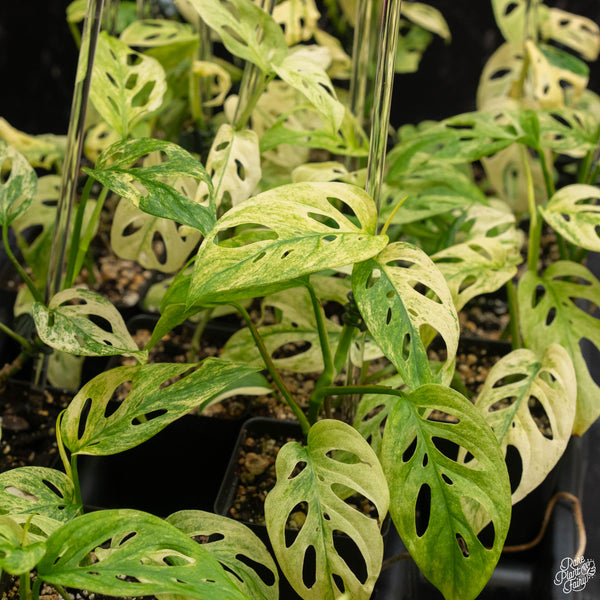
column 323, row 484
column 514, row 20
column 246, row 30
column 234, row 165
column 428, row 18
column 38, row 490
column 16, row 557
column 295, row 231
column 479, row 266
column 298, row 18
column 145, row 186
column 126, row 86
column 18, row 183
column 432, row 493
column 573, row 31
column 404, row 299
column 69, row 323
column 552, row 309
column 149, row 33
column 575, row 214
column 147, row 556
column 155, row 400
column 134, row 235
column 520, row 389
column 235, row 546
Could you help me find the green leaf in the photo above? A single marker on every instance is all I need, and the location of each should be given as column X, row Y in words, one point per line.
column 567, row 131
column 235, row 546
column 323, row 485
column 16, row 557
column 160, row 394
column 38, row 490
column 149, row 33
column 67, row 325
column 147, row 556
column 134, row 235
column 246, row 31
column 479, row 266
column 18, row 183
column 146, row 187
column 521, row 388
column 404, row 300
column 299, row 232
column 432, row 493
column 126, row 86
column 552, row 309
column 575, row 214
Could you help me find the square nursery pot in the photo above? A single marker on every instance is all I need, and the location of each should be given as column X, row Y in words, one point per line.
column 278, row 431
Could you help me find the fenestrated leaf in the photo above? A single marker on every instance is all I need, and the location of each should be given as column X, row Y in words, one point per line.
column 514, row 390
column 552, row 309
column 160, row 394
column 147, row 556
column 567, row 131
column 126, row 86
column 234, row 165
column 495, row 221
column 298, row 18
column 18, row 183
column 17, row 557
column 235, row 546
column 428, row 18
column 515, row 18
column 432, row 492
column 152, row 188
column 246, row 30
column 404, row 300
column 479, row 266
column 134, row 235
column 68, row 324
column 573, row 31
column 322, row 484
column 150, row 33
column 290, row 231
column 574, row 213
column 38, row 490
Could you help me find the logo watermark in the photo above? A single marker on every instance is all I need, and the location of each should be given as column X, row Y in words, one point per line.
column 574, row 574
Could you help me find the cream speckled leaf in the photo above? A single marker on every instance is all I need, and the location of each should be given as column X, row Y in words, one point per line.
column 160, row 185
column 233, row 165
column 299, row 19
column 149, row 33
column 479, row 266
column 325, row 171
column 507, row 403
column 404, row 301
column 552, row 310
column 295, row 231
column 513, row 17
column 134, row 235
column 574, row 213
column 237, row 547
column 240, row 24
column 18, row 184
column 67, row 325
column 219, row 81
column 498, row 76
column 146, row 556
column 38, row 490
column 126, row 86
column 573, row 31
column 320, row 484
column 155, row 400
column 431, row 491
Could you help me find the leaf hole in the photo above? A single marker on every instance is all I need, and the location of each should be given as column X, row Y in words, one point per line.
column 591, row 354
column 538, row 295
column 291, row 349
column 487, row 536
column 53, row 488
column 149, row 416
column 295, row 520
column 298, row 468
column 388, row 317
column 550, row 316
column 422, row 510
column 324, row 219
column 338, row 582
column 446, row 447
column 539, row 415
column 20, row 493
column 425, row 459
column 83, row 417
column 349, row 552
column 514, row 464
column 502, row 403
column 410, row 451
column 265, row 574
column 462, row 544
column 309, row 567
column 240, row 170
column 447, row 479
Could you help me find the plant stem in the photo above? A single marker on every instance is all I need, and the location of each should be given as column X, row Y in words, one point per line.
column 61, row 448
column 349, row 390
column 25, row 586
column 24, row 343
column 195, row 343
column 304, row 424
column 384, row 80
column 75, row 479
column 535, row 223
column 29, row 282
